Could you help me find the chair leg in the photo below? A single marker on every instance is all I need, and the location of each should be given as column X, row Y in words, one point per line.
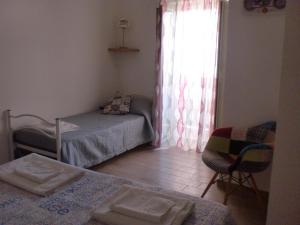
column 254, row 186
column 227, row 190
column 209, row 184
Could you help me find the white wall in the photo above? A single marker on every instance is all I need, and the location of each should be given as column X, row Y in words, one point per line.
column 254, row 55
column 250, row 84
column 137, row 70
column 284, row 204
column 53, row 59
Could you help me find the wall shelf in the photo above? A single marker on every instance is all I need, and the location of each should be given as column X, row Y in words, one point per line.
column 123, row 49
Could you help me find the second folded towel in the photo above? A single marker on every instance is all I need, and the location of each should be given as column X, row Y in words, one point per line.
column 136, row 206
column 142, row 206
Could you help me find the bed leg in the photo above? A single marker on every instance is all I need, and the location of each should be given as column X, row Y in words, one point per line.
column 58, row 139
column 11, row 147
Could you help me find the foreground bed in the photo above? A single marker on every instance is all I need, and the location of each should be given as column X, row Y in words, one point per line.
column 73, row 203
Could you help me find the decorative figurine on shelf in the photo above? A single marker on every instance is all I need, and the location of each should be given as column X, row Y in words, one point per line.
column 250, row 5
column 123, row 24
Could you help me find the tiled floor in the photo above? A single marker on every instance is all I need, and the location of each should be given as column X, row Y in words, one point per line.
column 184, row 172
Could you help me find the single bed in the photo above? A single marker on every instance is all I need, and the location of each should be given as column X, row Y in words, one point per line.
column 73, row 203
column 99, row 137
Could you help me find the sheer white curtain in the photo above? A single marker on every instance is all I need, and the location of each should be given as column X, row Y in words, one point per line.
column 188, row 68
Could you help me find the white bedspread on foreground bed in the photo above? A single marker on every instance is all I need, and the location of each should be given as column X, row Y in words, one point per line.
column 73, row 204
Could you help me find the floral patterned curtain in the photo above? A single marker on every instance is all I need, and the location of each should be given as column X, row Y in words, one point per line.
column 159, row 77
column 187, row 73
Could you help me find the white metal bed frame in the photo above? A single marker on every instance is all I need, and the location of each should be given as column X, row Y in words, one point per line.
column 14, row 144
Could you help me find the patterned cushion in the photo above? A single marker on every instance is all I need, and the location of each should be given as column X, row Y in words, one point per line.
column 119, row 105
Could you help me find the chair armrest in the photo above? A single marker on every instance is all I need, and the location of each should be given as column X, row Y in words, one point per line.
column 248, row 149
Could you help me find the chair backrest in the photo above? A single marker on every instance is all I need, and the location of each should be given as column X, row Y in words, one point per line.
column 232, row 141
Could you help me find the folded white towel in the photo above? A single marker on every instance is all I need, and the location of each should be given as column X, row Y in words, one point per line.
column 51, row 130
column 142, row 206
column 67, row 175
column 64, row 127
column 37, row 171
column 175, row 216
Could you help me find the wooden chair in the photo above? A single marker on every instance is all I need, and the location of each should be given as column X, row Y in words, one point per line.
column 239, row 151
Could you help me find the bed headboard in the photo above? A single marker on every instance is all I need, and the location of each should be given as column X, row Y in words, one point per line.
column 9, row 117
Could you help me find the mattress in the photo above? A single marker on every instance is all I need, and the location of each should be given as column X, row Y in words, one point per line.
column 73, row 203
column 99, row 138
